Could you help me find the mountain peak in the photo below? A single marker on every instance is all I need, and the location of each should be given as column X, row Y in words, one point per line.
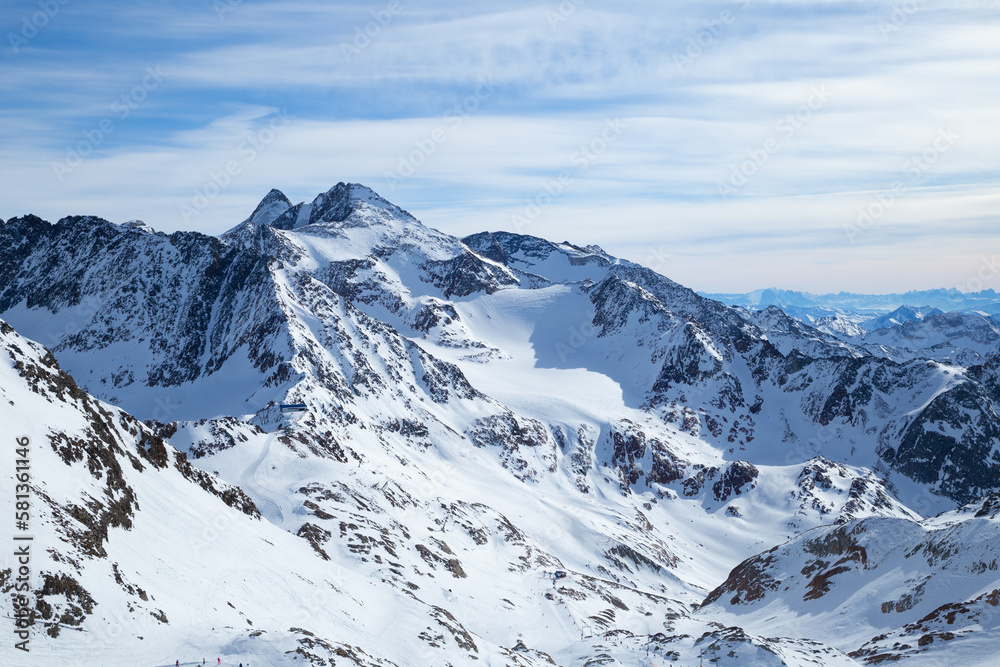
column 274, row 195
column 904, row 311
column 338, row 204
column 270, row 208
column 138, row 225
column 356, row 192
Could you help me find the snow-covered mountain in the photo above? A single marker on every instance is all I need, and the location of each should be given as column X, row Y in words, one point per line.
column 966, row 338
column 898, row 317
column 481, row 413
column 962, row 339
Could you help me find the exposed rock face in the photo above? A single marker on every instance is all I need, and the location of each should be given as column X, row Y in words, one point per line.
column 954, row 444
column 734, row 480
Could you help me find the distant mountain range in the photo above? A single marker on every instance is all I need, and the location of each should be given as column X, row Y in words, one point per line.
column 966, row 335
column 943, row 299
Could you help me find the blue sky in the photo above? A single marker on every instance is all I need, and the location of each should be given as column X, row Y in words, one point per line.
column 820, row 145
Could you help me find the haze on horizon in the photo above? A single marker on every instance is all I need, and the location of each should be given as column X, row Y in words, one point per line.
column 816, row 145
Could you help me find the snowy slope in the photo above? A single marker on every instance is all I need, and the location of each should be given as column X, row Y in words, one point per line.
column 139, row 556
column 146, row 559
column 882, row 588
